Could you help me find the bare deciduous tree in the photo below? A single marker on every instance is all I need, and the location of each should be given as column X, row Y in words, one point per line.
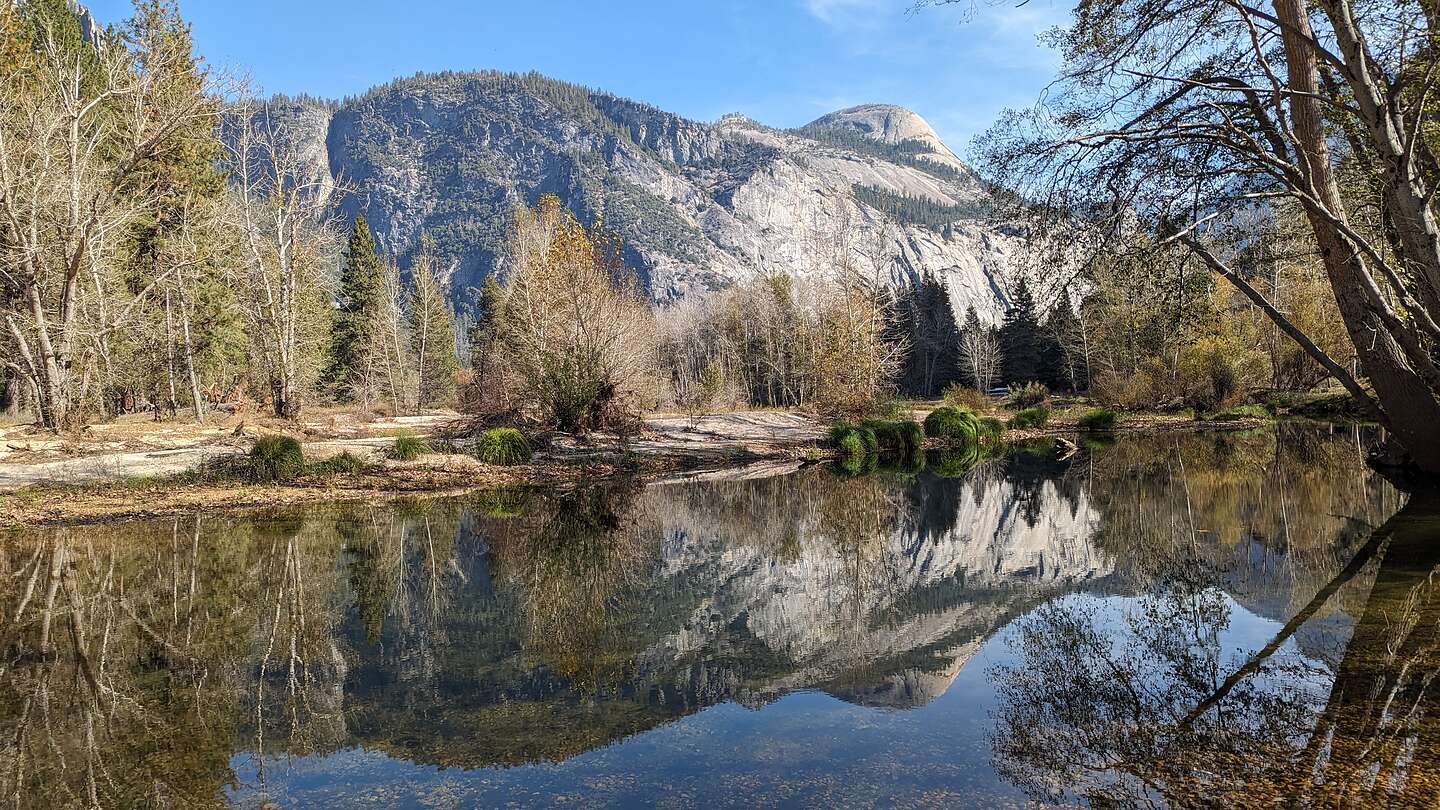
column 1172, row 118
column 980, row 356
column 574, row 328
column 73, row 141
column 280, row 210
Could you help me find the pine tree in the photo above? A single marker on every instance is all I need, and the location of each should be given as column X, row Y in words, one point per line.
column 175, row 237
column 432, row 332
column 927, row 322
column 361, row 286
column 1020, row 338
column 55, row 22
column 1060, row 367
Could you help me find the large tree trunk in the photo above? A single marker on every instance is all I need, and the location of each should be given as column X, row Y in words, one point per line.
column 1412, row 410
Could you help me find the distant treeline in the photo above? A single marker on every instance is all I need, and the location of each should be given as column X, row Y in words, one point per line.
column 912, row 209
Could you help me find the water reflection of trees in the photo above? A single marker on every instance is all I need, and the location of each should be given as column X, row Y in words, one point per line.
column 1137, row 702
column 136, row 660
column 130, row 668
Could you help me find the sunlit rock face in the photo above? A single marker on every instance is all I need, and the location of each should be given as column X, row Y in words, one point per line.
column 700, row 206
column 890, row 124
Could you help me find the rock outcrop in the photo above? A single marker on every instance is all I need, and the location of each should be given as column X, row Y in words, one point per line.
column 700, row 206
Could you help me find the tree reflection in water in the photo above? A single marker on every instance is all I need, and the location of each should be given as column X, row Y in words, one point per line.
column 187, row 662
column 1143, row 702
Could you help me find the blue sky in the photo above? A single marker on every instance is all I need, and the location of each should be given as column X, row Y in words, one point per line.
column 782, row 62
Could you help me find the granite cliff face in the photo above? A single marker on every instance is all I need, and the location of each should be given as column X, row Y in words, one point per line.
column 699, row 206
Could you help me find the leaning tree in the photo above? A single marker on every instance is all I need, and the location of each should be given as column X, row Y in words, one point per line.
column 1175, row 124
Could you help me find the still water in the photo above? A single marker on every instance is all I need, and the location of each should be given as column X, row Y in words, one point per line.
column 1229, row 620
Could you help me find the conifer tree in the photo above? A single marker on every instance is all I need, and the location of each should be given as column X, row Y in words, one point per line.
column 1062, row 368
column 932, row 336
column 1020, row 338
column 362, row 281
column 175, row 236
column 432, row 332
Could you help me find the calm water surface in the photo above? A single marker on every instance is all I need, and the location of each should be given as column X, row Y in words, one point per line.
column 1235, row 620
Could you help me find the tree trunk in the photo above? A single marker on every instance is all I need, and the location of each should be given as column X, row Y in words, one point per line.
column 196, row 398
column 172, row 406
column 1412, row 409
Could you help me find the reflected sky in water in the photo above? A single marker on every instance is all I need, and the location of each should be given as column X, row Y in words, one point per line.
column 1177, row 620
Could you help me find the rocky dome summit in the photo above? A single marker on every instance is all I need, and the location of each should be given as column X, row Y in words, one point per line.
column 887, row 123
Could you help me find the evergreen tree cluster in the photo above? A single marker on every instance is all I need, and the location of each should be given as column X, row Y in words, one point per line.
column 910, row 209
column 1035, row 351
column 925, row 321
column 380, row 333
column 1031, row 349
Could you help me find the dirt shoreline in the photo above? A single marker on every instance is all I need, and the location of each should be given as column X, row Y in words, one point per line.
column 436, row 476
column 696, row 454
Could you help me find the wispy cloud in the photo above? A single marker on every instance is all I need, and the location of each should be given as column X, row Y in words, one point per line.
column 843, row 12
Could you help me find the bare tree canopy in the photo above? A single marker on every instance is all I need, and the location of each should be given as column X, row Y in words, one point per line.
column 1174, row 121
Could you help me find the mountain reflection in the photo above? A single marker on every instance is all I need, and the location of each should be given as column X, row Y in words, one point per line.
column 142, row 661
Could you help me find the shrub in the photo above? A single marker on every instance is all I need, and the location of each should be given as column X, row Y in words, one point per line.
column 1028, row 395
column 408, row 447
column 502, row 446
column 1099, row 419
column 963, row 396
column 1031, row 418
column 1240, row 412
column 952, row 424
column 342, row 464
column 276, row 458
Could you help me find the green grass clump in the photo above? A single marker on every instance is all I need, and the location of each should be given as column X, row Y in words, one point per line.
column 991, row 428
column 342, row 464
column 1031, row 418
column 276, row 458
column 1239, row 412
column 1099, row 419
column 913, row 435
column 854, row 439
column 953, row 424
column 408, row 447
column 847, row 440
column 504, row 446
column 903, row 436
